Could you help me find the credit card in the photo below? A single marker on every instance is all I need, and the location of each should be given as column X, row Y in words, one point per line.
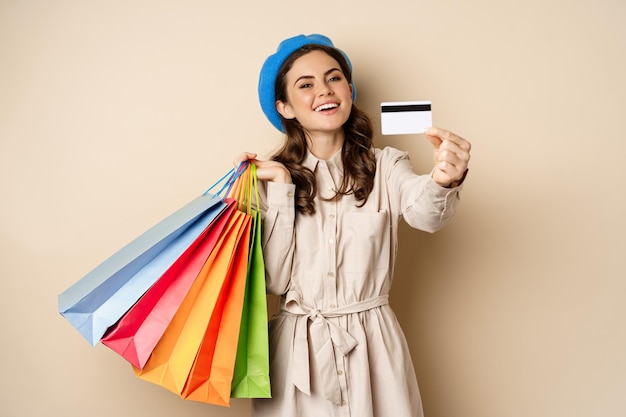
column 405, row 117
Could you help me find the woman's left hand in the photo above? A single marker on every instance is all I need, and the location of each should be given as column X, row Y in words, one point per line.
column 451, row 156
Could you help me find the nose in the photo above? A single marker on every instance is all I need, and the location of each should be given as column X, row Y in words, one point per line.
column 325, row 91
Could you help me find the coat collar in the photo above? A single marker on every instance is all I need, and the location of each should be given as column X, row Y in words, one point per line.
column 311, row 161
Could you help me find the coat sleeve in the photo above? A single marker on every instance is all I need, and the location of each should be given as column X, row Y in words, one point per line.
column 278, row 213
column 423, row 203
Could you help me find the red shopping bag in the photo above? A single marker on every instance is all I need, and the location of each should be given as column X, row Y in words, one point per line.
column 137, row 333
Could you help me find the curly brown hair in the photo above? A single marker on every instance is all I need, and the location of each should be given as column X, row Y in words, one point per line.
column 357, row 155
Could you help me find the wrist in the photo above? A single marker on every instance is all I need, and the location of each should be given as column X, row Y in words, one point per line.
column 458, row 182
column 283, row 176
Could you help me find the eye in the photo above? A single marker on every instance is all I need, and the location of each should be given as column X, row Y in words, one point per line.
column 305, row 85
column 335, row 78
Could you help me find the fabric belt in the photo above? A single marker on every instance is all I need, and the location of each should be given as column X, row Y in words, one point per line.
column 325, row 336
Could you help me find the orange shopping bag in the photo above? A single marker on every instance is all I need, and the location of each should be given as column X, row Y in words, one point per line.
column 210, row 377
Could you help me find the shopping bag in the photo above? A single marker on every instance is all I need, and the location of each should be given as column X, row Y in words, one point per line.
column 173, row 356
column 101, row 297
column 138, row 331
column 210, row 377
column 251, row 372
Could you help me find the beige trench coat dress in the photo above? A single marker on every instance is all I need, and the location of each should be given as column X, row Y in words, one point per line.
column 336, row 348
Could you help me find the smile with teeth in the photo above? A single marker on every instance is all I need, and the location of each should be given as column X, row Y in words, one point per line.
column 327, row 106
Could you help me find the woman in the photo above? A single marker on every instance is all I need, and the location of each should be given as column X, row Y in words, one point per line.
column 331, row 204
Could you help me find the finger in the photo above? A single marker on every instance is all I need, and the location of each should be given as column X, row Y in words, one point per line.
column 439, row 132
column 453, row 156
column 445, row 175
column 245, row 156
column 454, row 150
column 432, row 138
column 444, row 135
column 449, row 156
column 273, row 171
column 454, row 169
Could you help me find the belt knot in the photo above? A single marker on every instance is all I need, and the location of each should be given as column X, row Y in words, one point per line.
column 325, row 337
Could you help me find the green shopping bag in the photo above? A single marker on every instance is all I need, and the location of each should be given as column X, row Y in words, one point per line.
column 251, row 374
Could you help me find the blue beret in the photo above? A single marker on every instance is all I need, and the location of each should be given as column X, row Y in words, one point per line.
column 269, row 72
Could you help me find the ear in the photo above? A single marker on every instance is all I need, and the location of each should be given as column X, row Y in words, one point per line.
column 284, row 109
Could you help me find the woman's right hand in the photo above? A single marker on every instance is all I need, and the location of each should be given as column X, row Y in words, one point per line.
column 265, row 170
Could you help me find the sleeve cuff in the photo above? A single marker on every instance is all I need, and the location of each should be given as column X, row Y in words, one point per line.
column 280, row 194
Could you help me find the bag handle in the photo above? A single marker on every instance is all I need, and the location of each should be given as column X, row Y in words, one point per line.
column 241, row 184
column 254, row 186
column 239, row 189
column 249, row 179
column 232, row 175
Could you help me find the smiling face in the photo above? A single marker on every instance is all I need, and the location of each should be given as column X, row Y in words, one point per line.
column 318, row 94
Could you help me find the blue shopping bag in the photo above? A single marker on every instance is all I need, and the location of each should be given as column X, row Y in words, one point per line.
column 99, row 299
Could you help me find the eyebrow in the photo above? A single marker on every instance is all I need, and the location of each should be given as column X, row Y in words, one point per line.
column 306, row 77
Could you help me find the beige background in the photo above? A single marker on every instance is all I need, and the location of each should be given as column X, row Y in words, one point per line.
column 115, row 113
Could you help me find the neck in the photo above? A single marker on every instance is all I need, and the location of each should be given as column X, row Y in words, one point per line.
column 325, row 144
